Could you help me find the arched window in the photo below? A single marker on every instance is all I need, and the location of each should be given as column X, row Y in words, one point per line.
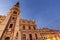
column 23, row 37
column 13, row 18
column 30, row 36
column 7, row 38
column 15, row 12
column 10, row 25
column 17, row 34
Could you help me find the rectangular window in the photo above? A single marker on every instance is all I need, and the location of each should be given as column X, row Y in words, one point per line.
column 23, row 27
column 23, row 37
column 36, row 36
column 30, row 35
column 34, row 28
column 29, row 27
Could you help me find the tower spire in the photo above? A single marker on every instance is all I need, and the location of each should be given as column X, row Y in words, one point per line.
column 17, row 4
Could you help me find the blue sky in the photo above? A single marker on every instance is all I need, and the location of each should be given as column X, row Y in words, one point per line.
column 46, row 13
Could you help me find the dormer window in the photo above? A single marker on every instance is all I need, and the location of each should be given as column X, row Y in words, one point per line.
column 15, row 12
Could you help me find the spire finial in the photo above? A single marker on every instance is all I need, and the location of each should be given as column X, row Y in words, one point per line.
column 17, row 4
